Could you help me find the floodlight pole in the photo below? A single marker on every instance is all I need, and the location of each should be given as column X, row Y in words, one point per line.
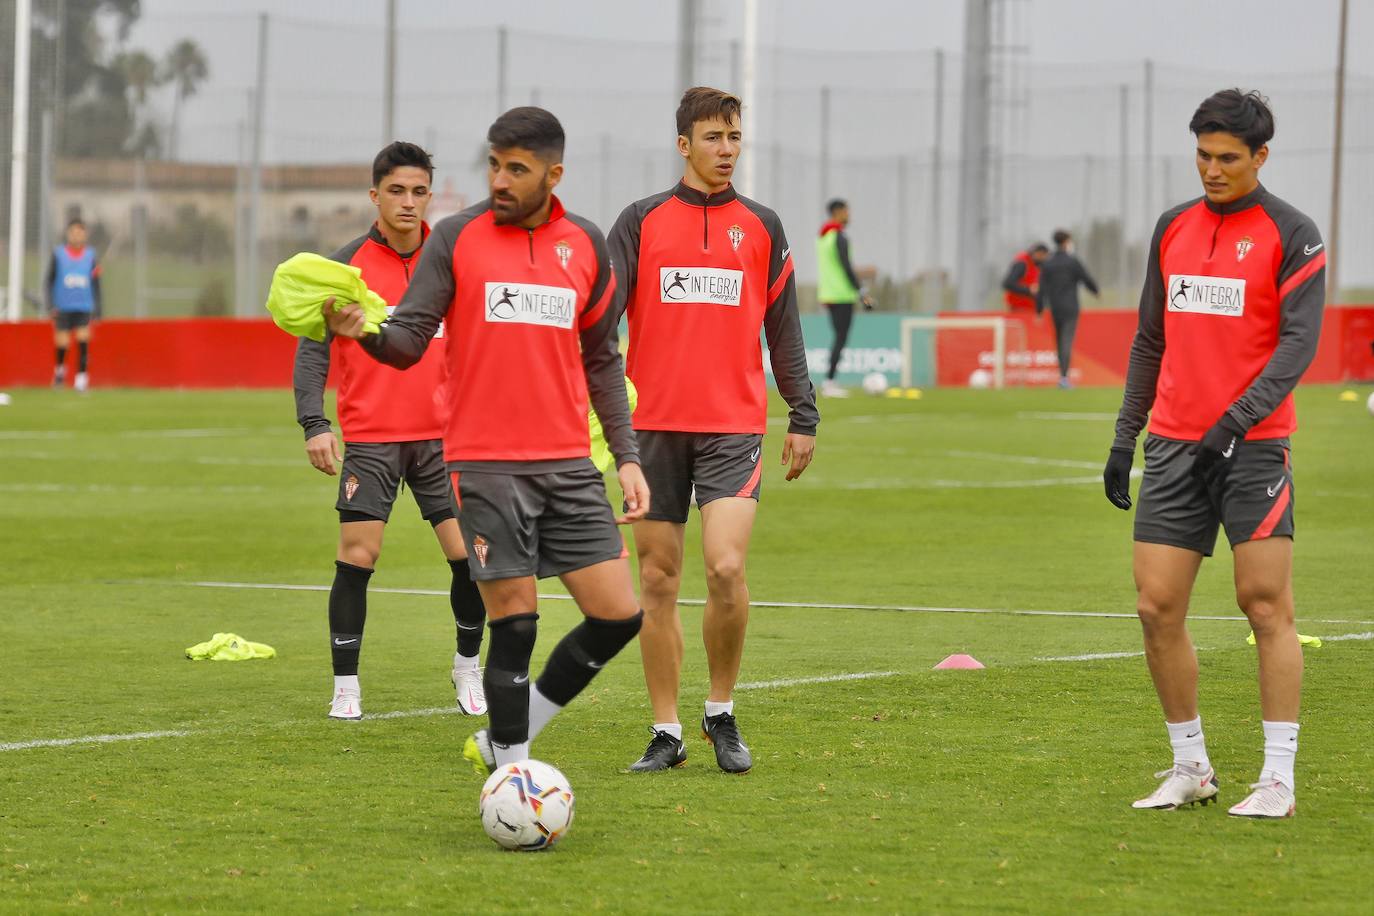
column 1333, row 237
column 973, row 158
column 389, row 77
column 745, row 170
column 248, row 300
column 19, row 156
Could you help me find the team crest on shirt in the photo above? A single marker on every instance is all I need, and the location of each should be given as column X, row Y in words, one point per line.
column 736, row 236
column 479, row 547
column 564, row 252
column 350, row 487
column 1243, row 247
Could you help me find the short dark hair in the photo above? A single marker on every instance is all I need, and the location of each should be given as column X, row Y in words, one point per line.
column 76, row 221
column 529, row 128
column 396, row 155
column 1039, row 246
column 836, row 204
column 702, row 103
column 1061, row 236
column 1242, row 114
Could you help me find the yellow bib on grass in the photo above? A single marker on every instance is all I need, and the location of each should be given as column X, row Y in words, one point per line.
column 229, row 647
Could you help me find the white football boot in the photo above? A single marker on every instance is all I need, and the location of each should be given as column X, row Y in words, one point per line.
column 1269, row 799
column 1182, row 785
column 833, row 389
column 348, row 704
column 472, row 699
column 82, row 382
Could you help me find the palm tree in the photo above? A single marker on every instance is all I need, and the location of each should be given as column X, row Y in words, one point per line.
column 140, row 75
column 185, row 68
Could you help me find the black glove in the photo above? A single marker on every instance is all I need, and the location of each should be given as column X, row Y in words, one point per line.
column 1215, row 455
column 1117, row 477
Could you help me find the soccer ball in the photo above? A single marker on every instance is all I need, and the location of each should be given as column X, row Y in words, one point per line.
column 526, row 805
column 980, row 378
column 875, row 383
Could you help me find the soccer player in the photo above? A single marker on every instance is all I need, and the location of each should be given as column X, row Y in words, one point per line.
column 1022, row 281
column 838, row 288
column 1229, row 319
column 525, row 289
column 73, row 287
column 1060, row 276
column 392, row 422
column 705, row 270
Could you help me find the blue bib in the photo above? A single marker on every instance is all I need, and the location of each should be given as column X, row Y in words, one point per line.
column 71, row 285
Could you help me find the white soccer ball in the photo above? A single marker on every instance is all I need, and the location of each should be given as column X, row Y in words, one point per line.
column 526, row 805
column 980, row 378
column 875, row 383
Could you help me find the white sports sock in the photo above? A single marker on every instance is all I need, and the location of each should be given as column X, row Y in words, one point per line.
column 542, row 709
column 461, row 662
column 1189, row 744
column 672, row 728
column 714, row 709
column 1280, row 751
column 510, row 754
column 346, row 682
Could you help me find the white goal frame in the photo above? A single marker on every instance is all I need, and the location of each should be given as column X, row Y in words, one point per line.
column 996, row 323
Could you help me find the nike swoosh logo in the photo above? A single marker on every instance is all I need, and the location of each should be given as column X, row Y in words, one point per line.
column 1313, row 249
column 344, row 642
column 597, row 665
column 1193, row 735
column 521, row 679
column 1274, row 490
column 1229, row 449
column 463, row 626
column 785, row 253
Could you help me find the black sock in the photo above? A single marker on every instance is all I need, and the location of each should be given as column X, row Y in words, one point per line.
column 82, row 348
column 507, row 677
column 61, row 358
column 468, row 611
column 582, row 653
column 347, row 614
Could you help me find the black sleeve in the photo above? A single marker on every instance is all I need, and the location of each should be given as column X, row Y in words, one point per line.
column 95, row 291
column 1086, row 278
column 842, row 248
column 1301, row 282
column 782, row 330
column 624, row 247
column 48, row 280
column 403, row 338
column 308, row 377
column 1012, row 281
column 1147, row 349
column 601, row 361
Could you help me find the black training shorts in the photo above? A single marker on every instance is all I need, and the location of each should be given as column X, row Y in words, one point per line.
column 373, row 473
column 714, row 465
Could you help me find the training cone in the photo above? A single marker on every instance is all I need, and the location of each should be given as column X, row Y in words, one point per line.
column 959, row 661
column 1349, row 395
column 913, row 394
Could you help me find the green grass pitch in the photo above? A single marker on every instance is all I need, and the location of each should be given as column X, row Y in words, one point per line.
column 910, row 790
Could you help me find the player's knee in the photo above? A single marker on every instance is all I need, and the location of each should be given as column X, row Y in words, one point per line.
column 360, row 554
column 658, row 578
column 725, row 573
column 1158, row 612
column 1265, row 612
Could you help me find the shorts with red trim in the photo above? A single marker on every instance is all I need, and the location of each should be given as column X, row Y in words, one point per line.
column 713, row 465
column 1254, row 502
column 517, row 525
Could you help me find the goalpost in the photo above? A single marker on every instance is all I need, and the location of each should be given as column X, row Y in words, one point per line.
column 1000, row 326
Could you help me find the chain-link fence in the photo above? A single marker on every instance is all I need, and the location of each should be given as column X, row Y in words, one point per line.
column 158, row 157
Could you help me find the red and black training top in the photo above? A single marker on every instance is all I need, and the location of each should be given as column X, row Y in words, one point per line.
column 376, row 403
column 1230, row 315
column 531, row 335
column 703, row 274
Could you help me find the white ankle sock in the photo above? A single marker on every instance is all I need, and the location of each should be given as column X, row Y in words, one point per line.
column 672, row 728
column 542, row 709
column 510, row 754
column 1189, row 744
column 461, row 662
column 346, row 682
column 714, row 709
column 1280, row 751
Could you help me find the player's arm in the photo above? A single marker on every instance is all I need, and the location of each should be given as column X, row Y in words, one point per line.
column 308, row 377
column 95, row 289
column 623, row 243
column 1302, row 297
column 787, row 353
column 842, row 249
column 49, row 279
column 1012, row 281
column 1085, row 278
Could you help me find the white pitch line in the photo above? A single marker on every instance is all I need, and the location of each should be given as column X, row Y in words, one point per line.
column 1026, row 459
column 1090, row 657
column 1063, row 415
column 822, row 679
column 804, row 605
column 1345, row 636
column 36, row 434
column 91, row 739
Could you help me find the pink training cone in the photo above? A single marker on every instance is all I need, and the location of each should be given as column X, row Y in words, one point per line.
column 959, row 661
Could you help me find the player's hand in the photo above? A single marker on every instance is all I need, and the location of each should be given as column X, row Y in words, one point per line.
column 797, row 450
column 867, row 301
column 347, row 321
column 1117, row 477
column 636, row 490
column 323, row 452
column 1215, row 455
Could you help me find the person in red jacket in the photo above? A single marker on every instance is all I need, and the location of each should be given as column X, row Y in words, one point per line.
column 704, row 271
column 391, row 422
column 1022, row 282
column 1230, row 315
column 526, row 293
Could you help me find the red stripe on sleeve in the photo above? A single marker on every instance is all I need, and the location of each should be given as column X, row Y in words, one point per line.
column 1297, row 279
column 776, row 289
column 592, row 315
column 1266, row 527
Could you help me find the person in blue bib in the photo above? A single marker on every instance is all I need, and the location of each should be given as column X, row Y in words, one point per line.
column 73, row 287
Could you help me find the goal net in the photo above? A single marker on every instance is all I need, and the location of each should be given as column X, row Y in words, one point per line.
column 985, row 351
